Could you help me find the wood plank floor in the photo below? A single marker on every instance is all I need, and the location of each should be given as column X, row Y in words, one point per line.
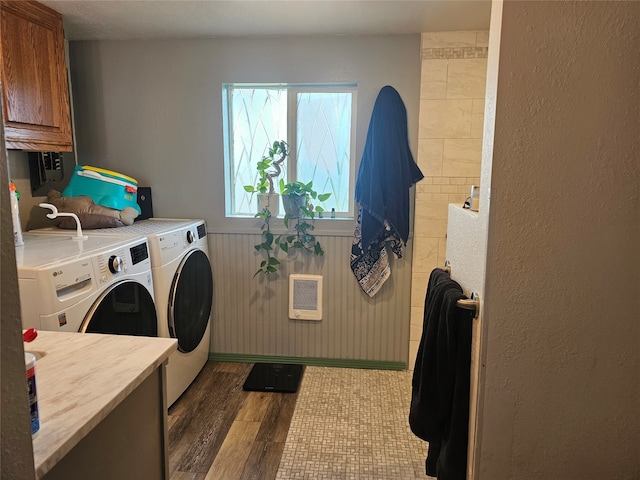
column 219, row 431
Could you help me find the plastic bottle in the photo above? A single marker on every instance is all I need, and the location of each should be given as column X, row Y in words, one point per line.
column 30, row 335
column 475, row 198
column 15, row 216
column 30, row 365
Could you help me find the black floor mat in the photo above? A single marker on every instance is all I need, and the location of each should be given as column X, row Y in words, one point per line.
column 274, row 377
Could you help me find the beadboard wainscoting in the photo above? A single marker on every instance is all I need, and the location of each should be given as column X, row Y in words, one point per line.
column 250, row 315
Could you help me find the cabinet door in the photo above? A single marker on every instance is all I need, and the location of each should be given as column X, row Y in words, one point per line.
column 34, row 78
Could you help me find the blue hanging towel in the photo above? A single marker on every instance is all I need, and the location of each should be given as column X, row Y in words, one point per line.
column 387, row 172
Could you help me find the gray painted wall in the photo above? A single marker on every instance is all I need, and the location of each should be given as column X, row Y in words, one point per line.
column 152, row 110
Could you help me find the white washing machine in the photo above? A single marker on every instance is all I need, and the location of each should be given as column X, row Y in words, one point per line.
column 99, row 285
column 183, row 285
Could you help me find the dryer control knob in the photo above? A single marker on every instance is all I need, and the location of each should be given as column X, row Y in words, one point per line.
column 190, row 237
column 115, row 264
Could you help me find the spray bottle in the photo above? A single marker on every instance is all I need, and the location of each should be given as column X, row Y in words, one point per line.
column 15, row 216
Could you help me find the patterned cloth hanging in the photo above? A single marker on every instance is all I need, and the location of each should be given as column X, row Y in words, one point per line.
column 386, row 173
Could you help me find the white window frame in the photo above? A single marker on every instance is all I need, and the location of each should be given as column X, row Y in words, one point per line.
column 292, row 91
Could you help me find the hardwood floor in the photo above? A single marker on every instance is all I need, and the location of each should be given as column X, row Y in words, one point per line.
column 219, row 431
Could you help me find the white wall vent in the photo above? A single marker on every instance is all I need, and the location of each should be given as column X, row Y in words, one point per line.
column 305, row 297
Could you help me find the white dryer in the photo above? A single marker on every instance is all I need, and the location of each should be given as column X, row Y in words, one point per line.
column 99, row 285
column 183, row 285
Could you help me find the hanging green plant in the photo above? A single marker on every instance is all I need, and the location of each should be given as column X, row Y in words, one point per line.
column 267, row 245
column 269, row 168
column 298, row 205
column 303, row 211
column 264, row 183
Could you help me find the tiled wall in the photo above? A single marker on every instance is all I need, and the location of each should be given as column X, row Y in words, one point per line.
column 452, row 91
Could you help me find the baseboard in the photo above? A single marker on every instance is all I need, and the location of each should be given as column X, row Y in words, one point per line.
column 312, row 361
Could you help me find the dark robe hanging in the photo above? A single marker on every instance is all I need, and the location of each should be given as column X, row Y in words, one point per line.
column 386, row 173
column 439, row 411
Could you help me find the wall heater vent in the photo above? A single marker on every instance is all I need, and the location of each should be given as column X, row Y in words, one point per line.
column 305, row 297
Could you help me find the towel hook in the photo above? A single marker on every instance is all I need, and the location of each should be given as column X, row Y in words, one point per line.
column 471, row 304
column 468, row 304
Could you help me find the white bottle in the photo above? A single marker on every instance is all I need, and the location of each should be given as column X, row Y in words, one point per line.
column 475, row 198
column 30, row 366
column 15, row 216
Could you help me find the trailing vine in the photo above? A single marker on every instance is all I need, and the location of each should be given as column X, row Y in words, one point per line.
column 301, row 237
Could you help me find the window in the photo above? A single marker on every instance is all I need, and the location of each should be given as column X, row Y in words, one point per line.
column 318, row 123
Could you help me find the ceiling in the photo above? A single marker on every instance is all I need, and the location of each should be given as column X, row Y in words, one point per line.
column 145, row 19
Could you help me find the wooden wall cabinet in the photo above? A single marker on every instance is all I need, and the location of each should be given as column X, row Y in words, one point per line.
column 35, row 90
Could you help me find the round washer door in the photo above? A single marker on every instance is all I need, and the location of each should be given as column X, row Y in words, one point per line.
column 190, row 300
column 126, row 308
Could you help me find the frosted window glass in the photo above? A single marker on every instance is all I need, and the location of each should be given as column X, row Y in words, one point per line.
column 321, row 124
column 324, row 145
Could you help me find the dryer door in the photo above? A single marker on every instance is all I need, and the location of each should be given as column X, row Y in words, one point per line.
column 126, row 308
column 190, row 300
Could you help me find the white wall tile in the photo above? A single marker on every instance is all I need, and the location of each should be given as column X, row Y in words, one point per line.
column 419, row 283
column 441, row 180
column 423, row 189
column 477, row 126
column 442, row 251
column 434, row 227
column 466, row 78
column 482, row 38
column 477, row 118
column 433, row 90
column 431, row 218
column 462, row 157
column 425, row 254
column 445, row 118
column 478, row 105
column 434, row 70
column 417, row 320
column 430, row 156
column 448, row 39
column 449, row 153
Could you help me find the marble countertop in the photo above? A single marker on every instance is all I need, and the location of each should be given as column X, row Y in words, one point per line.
column 80, row 379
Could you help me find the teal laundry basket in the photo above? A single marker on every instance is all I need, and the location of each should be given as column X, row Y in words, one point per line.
column 104, row 187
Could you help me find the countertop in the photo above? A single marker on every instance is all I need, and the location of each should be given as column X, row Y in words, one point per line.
column 80, row 379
